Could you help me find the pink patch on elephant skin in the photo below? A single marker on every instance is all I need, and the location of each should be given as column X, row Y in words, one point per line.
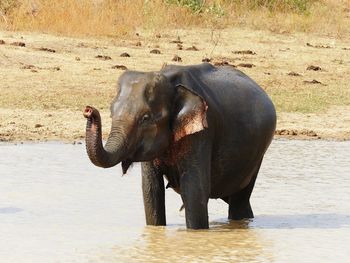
column 174, row 153
column 192, row 123
column 188, row 124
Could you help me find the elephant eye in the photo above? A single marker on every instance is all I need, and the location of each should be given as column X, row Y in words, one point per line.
column 145, row 118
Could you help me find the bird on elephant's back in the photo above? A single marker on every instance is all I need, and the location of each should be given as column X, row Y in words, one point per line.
column 204, row 128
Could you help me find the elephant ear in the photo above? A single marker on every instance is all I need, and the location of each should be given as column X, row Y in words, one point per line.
column 190, row 113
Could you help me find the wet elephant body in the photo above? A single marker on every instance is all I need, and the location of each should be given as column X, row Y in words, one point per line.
column 204, row 128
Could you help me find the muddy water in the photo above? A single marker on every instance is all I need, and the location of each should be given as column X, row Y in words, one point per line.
column 56, row 207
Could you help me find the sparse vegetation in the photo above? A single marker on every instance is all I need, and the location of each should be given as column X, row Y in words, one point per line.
column 8, row 5
column 299, row 6
column 120, row 18
column 193, row 5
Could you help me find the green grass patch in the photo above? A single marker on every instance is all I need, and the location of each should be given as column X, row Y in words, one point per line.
column 299, row 6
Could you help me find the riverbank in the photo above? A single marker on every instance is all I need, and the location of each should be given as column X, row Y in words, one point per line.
column 48, row 80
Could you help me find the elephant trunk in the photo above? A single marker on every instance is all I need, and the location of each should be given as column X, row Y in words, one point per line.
column 114, row 149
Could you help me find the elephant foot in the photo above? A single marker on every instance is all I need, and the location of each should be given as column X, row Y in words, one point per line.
column 239, row 204
column 240, row 211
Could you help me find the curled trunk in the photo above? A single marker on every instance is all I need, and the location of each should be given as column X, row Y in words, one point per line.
column 109, row 155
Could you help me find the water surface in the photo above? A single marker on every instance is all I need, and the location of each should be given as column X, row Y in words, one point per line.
column 55, row 206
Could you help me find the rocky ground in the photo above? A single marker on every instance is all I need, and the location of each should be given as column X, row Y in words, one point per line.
column 47, row 80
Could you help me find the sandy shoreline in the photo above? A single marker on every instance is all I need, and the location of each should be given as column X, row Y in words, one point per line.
column 36, row 126
column 47, row 83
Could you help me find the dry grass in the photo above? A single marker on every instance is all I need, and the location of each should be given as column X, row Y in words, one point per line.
column 120, row 18
column 96, row 17
column 330, row 18
column 77, row 17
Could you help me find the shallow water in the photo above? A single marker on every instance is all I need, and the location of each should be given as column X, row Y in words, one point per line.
column 55, row 206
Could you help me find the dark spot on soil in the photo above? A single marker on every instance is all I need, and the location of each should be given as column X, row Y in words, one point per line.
column 294, row 74
column 158, row 36
column 338, row 61
column 121, row 67
column 34, row 71
column 28, row 67
column 2, row 42
column 124, row 55
column 96, row 68
column 55, row 68
column 314, row 81
column 77, row 58
column 156, row 46
column 193, row 48
column 286, row 132
column 177, row 58
column 82, row 45
column 244, row 52
column 223, row 63
column 317, row 46
column 179, row 47
column 246, row 65
column 47, row 49
column 18, row 44
column 291, row 132
column 267, row 73
column 102, row 57
column 137, row 34
column 346, row 48
column 138, row 44
column 314, row 68
column 177, row 41
column 38, row 125
column 155, row 51
column 206, row 59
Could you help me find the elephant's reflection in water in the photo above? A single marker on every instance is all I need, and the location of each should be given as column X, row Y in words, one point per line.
column 224, row 242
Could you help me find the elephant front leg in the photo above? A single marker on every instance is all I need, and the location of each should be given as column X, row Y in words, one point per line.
column 153, row 195
column 195, row 199
column 195, row 170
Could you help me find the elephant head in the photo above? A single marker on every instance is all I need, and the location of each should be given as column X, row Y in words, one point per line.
column 149, row 115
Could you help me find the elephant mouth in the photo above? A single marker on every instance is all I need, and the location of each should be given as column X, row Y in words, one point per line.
column 135, row 157
column 125, row 165
column 130, row 159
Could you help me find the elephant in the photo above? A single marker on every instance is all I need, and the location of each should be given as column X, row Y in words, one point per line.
column 205, row 129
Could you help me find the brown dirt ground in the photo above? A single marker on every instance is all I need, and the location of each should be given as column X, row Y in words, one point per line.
column 46, row 84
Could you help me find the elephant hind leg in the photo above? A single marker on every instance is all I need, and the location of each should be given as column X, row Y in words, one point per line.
column 239, row 204
column 239, row 207
column 226, row 199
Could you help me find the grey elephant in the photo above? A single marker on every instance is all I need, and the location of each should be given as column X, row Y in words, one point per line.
column 204, row 128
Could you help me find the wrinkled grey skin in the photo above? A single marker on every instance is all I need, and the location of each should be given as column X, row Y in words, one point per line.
column 204, row 128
